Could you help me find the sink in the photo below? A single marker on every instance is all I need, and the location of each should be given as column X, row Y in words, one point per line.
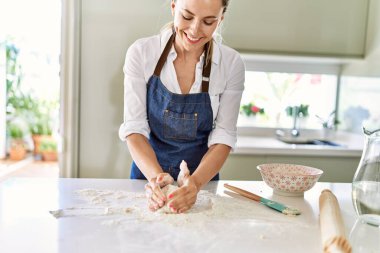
column 306, row 138
column 309, row 141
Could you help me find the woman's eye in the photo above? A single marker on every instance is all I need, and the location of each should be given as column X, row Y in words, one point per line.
column 208, row 22
column 186, row 18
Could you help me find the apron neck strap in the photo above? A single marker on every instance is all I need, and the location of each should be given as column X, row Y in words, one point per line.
column 206, row 65
column 164, row 55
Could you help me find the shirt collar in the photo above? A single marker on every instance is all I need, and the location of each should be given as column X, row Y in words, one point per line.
column 165, row 36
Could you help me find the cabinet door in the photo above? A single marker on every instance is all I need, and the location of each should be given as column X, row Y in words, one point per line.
column 309, row 27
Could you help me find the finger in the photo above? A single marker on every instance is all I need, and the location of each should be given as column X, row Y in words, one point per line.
column 158, row 195
column 168, row 179
column 148, row 191
column 152, row 196
column 175, row 194
column 164, row 179
column 184, row 206
column 173, row 209
column 183, row 209
column 153, row 205
column 184, row 199
column 157, row 200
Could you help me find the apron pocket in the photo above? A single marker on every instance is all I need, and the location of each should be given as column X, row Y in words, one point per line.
column 181, row 126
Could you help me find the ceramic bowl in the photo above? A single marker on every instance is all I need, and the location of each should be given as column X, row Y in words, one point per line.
column 289, row 179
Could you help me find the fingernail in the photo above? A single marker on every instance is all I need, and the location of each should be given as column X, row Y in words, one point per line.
column 174, row 210
column 170, row 205
column 170, row 196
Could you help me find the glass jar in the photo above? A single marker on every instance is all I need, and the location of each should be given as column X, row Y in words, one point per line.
column 366, row 182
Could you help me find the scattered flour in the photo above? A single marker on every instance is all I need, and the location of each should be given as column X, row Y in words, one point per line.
column 119, row 208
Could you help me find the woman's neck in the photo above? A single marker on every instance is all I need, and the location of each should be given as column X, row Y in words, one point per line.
column 186, row 54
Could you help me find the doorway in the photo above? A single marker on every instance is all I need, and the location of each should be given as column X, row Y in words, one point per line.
column 30, row 41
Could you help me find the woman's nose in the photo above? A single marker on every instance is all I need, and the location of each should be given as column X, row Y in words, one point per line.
column 194, row 28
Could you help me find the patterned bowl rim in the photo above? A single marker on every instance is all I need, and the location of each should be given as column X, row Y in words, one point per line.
column 315, row 171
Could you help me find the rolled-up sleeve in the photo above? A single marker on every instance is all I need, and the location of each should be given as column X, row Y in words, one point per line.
column 225, row 131
column 135, row 115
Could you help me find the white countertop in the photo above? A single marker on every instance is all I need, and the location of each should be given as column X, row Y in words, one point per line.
column 352, row 146
column 27, row 226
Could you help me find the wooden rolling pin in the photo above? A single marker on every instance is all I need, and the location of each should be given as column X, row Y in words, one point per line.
column 331, row 224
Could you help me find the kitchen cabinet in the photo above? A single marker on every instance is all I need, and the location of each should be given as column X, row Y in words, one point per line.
column 369, row 66
column 338, row 163
column 336, row 169
column 305, row 27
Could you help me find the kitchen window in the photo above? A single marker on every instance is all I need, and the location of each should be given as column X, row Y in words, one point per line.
column 359, row 103
column 269, row 98
column 275, row 85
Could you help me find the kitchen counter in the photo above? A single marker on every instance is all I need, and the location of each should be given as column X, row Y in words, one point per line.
column 27, row 226
column 351, row 146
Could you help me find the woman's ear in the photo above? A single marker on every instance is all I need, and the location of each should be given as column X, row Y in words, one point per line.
column 172, row 7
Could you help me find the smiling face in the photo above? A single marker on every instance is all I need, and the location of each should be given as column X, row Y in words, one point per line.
column 195, row 22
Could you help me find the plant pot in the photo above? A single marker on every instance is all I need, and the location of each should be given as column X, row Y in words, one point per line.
column 37, row 139
column 49, row 156
column 17, row 150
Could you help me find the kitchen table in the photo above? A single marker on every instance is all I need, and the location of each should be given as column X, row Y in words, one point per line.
column 27, row 226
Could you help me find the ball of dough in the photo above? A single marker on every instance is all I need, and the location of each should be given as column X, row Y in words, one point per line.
column 167, row 190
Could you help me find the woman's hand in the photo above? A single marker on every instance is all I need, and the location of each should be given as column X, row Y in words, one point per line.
column 156, row 198
column 184, row 198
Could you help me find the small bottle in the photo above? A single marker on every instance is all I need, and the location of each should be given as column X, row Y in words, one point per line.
column 366, row 182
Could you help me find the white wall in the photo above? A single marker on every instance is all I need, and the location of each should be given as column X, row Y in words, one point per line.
column 108, row 29
column 3, row 92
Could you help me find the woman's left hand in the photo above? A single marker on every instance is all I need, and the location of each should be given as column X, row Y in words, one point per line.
column 156, row 198
column 183, row 198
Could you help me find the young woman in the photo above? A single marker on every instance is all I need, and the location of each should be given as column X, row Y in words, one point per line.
column 181, row 102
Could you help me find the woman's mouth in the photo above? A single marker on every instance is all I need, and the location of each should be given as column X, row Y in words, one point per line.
column 191, row 39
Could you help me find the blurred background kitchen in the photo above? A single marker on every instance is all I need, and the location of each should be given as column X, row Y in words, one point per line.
column 312, row 83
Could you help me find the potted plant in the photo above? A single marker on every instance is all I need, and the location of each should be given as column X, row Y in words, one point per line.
column 303, row 111
column 40, row 129
column 17, row 149
column 23, row 103
column 48, row 149
column 251, row 109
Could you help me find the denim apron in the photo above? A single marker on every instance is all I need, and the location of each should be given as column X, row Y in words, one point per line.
column 180, row 124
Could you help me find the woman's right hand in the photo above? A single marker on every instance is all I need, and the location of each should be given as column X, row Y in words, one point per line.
column 156, row 198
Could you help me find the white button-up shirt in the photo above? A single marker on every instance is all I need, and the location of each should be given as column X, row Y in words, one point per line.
column 225, row 87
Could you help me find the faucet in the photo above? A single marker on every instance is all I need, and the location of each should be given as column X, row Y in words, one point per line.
column 295, row 131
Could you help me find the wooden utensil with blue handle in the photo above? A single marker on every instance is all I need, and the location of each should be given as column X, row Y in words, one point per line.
column 269, row 203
